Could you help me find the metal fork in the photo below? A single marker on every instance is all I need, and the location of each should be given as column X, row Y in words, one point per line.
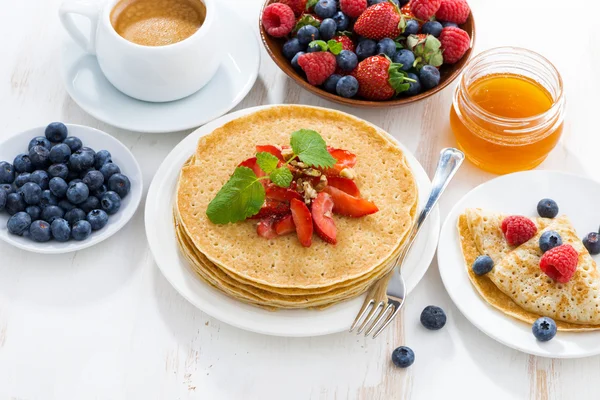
column 391, row 289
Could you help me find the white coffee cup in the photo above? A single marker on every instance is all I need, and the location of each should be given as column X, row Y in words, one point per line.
column 149, row 73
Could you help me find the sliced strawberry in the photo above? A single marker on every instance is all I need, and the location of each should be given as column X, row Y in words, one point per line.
column 251, row 163
column 344, row 184
column 268, row 148
column 344, row 158
column 284, row 195
column 285, row 225
column 351, row 206
column 303, row 221
column 324, row 224
column 266, row 229
column 271, row 208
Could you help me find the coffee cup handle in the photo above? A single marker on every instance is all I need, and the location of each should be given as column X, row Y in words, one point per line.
column 88, row 9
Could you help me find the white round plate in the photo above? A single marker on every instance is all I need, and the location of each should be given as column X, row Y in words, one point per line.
column 97, row 140
column 519, row 194
column 161, row 236
column 88, row 87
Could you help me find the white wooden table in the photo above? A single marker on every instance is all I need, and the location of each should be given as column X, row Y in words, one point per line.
column 104, row 324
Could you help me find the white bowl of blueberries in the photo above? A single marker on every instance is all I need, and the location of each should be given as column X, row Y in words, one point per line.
column 65, row 187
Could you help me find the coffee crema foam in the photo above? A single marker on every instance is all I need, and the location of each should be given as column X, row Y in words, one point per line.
column 157, row 22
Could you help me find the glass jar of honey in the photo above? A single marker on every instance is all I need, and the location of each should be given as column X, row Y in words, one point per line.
column 508, row 110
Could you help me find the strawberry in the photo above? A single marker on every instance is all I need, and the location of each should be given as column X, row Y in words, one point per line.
column 379, row 78
column 266, row 229
column 344, row 159
column 324, row 224
column 350, row 206
column 344, row 184
column 426, row 48
column 251, row 163
column 269, row 148
column 298, row 6
column 283, row 195
column 272, row 208
column 379, row 21
column 346, row 41
column 317, row 66
column 285, row 225
column 302, row 221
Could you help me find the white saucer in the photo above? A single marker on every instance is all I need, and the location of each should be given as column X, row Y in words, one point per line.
column 519, row 194
column 88, row 87
column 161, row 237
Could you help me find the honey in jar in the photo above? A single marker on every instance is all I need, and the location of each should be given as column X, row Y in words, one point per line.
column 508, row 110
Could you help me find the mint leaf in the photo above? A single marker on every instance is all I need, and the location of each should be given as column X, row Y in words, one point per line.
column 282, row 177
column 266, row 161
column 321, row 43
column 311, row 149
column 335, row 47
column 241, row 197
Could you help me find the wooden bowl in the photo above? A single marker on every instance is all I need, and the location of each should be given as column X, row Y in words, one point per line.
column 448, row 73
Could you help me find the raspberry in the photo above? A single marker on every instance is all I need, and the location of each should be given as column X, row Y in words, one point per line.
column 424, row 9
column 455, row 43
column 278, row 19
column 517, row 229
column 560, row 263
column 453, row 11
column 317, row 66
column 298, row 6
column 353, row 8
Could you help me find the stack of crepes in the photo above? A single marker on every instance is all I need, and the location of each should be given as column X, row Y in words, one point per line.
column 517, row 286
column 280, row 273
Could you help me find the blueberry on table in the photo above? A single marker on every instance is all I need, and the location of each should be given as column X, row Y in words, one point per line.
column 432, row 28
column 342, row 21
column 39, row 156
column 406, row 58
column 386, row 46
column 41, row 178
column 347, row 60
column 48, row 199
column 22, row 163
column 61, row 230
column 58, row 187
column 433, row 318
column 81, row 230
column 14, row 203
column 109, row 169
column 58, row 171
column 93, row 179
column 19, row 223
column 290, row 49
column 592, row 243
column 430, row 77
column 77, row 192
column 31, row 193
column 331, row 82
column 482, row 265
column 414, row 87
column 39, row 231
column 39, row 141
column 403, row 357
column 110, row 202
column 74, row 143
column 74, row 215
column 35, row 212
column 411, row 28
column 365, row 49
column 544, row 329
column 549, row 240
column 326, row 8
column 547, row 208
column 327, row 29
column 81, row 160
column 60, row 153
column 307, row 34
column 56, row 132
column 22, row 179
column 3, row 196
column 7, row 172
column 119, row 184
column 91, row 203
column 347, row 86
column 97, row 219
column 295, row 61
column 50, row 213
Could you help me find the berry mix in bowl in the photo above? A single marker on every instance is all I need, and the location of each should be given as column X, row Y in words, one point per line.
column 58, row 194
column 369, row 52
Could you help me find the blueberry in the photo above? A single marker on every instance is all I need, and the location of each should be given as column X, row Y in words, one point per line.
column 307, row 34
column 72, row 175
column 544, row 329
column 347, row 60
column 58, row 171
column 89, row 151
column 110, row 202
column 327, row 29
column 482, row 265
column 592, row 243
column 549, row 240
column 347, row 86
column 74, row 143
column 433, row 318
column 403, row 357
column 50, row 213
column 411, row 28
column 61, row 231
column 313, row 48
column 19, row 223
column 326, row 8
column 31, row 193
column 414, row 87
column 39, row 156
column 290, row 49
column 66, row 205
column 82, row 174
column 22, row 163
column 432, row 28
column 342, row 21
column 94, row 180
column 404, row 57
column 7, row 172
column 41, row 178
column 3, row 196
column 8, row 188
column 330, row 83
column 97, row 219
column 58, row 187
column 366, row 48
column 39, row 231
column 39, row 141
column 22, row 179
column 74, row 215
column 48, row 199
column 547, row 208
column 77, row 192
column 81, row 160
column 81, row 230
column 446, row 24
column 14, row 203
column 119, row 184
column 109, row 170
column 99, row 192
column 386, row 46
column 35, row 212
column 294, row 63
column 74, row 181
column 60, row 153
column 430, row 77
column 56, row 132
column 91, row 203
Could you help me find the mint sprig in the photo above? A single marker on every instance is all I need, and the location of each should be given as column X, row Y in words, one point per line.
column 267, row 161
column 311, row 149
column 282, row 177
column 333, row 46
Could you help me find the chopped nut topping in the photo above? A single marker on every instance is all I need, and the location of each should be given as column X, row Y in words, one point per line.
column 298, row 164
column 287, row 154
column 299, row 186
column 322, row 183
column 348, row 173
column 309, row 192
column 312, row 172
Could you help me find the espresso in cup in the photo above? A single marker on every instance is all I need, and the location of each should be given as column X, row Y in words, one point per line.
column 157, row 22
